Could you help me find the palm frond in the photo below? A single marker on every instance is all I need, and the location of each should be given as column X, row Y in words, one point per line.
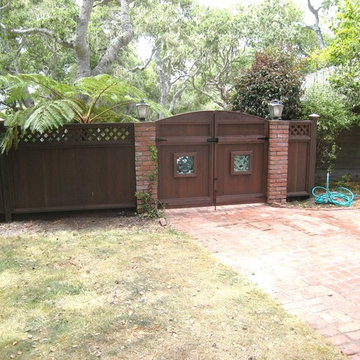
column 8, row 140
column 92, row 99
column 21, row 86
column 158, row 108
column 13, row 122
column 109, row 88
column 52, row 114
column 106, row 115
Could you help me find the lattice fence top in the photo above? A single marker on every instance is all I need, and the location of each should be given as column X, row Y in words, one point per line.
column 89, row 134
column 299, row 129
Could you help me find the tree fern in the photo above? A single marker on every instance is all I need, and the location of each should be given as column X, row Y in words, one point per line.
column 18, row 86
column 52, row 114
column 93, row 99
column 13, row 121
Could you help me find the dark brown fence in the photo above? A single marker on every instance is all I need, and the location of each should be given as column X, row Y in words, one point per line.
column 302, row 157
column 74, row 168
column 348, row 159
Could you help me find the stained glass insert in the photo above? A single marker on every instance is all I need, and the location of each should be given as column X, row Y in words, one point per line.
column 241, row 163
column 185, row 165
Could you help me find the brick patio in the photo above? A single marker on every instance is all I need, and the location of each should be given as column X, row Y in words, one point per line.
column 307, row 259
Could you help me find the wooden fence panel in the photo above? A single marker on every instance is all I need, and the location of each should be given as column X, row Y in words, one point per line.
column 301, row 157
column 77, row 167
column 348, row 158
column 2, row 207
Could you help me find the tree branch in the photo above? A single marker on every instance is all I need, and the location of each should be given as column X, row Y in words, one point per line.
column 313, row 10
column 177, row 94
column 4, row 6
column 118, row 42
column 35, row 30
column 102, row 2
column 144, row 66
column 316, row 26
column 211, row 97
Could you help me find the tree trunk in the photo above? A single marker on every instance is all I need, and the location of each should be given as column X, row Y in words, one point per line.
column 81, row 45
column 164, row 90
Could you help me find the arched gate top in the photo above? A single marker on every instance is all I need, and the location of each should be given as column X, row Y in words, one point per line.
column 199, row 116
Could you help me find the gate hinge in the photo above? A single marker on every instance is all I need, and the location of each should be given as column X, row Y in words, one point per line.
column 263, row 138
column 215, row 140
column 160, row 139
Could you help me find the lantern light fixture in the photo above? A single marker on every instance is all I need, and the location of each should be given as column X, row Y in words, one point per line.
column 275, row 108
column 143, row 110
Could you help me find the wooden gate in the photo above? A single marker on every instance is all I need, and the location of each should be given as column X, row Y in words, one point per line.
column 212, row 158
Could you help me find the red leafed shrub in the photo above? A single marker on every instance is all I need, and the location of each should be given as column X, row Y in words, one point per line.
column 272, row 76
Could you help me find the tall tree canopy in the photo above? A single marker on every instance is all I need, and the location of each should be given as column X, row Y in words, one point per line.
column 65, row 23
column 196, row 52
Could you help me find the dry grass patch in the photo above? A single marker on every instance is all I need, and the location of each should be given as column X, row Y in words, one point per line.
column 137, row 293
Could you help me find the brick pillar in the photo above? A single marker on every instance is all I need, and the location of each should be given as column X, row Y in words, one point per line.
column 145, row 168
column 278, row 161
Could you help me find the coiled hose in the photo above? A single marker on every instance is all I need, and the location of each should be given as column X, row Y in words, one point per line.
column 341, row 197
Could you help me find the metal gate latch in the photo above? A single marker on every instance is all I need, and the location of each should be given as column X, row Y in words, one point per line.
column 215, row 140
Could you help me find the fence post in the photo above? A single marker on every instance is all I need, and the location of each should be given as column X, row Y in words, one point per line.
column 5, row 180
column 278, row 161
column 312, row 161
column 146, row 167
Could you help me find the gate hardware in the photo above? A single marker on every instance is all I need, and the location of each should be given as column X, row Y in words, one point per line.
column 215, row 140
column 263, row 138
column 160, row 139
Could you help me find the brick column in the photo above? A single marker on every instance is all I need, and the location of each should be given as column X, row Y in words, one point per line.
column 145, row 168
column 277, row 161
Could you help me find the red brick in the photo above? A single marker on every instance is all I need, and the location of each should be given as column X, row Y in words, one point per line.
column 339, row 339
column 354, row 335
column 350, row 349
column 279, row 147
column 329, row 331
column 278, row 167
column 350, row 327
column 277, row 161
column 150, row 163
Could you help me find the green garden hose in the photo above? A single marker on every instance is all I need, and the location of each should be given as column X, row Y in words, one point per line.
column 341, row 197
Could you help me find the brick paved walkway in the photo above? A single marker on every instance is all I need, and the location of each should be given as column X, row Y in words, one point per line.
column 307, row 259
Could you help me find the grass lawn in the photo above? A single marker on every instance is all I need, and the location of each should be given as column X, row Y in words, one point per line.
column 112, row 291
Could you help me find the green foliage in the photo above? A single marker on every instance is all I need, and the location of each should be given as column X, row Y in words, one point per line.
column 20, row 53
column 201, row 50
column 277, row 23
column 344, row 51
column 54, row 104
column 335, row 116
column 273, row 75
column 149, row 207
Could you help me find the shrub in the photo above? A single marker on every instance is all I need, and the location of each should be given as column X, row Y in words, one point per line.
column 272, row 76
column 335, row 116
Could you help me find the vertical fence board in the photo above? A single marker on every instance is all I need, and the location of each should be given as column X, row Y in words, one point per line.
column 5, row 189
column 2, row 208
column 302, row 156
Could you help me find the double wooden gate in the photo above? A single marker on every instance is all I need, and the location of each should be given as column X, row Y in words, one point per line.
column 212, row 158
